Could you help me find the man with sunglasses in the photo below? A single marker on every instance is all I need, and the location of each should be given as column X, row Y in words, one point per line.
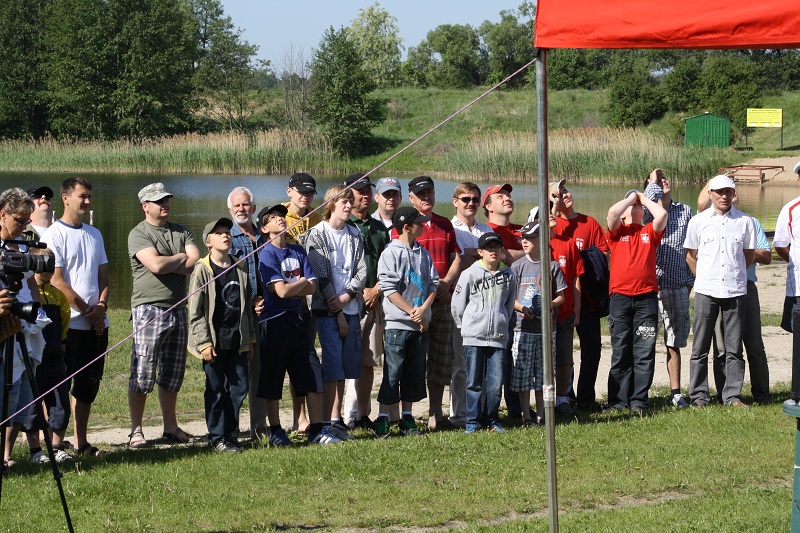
column 42, row 214
column 162, row 254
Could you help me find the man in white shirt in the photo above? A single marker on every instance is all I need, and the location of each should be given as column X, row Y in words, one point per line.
column 787, row 246
column 720, row 245
column 42, row 215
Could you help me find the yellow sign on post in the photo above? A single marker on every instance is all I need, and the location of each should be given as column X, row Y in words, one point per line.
column 764, row 118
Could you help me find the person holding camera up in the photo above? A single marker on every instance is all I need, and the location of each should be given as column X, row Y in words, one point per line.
column 81, row 273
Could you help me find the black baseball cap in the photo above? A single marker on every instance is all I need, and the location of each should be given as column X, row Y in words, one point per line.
column 223, row 222
column 303, row 182
column 362, row 179
column 420, row 184
column 261, row 219
column 489, row 238
column 530, row 230
column 407, row 215
column 40, row 191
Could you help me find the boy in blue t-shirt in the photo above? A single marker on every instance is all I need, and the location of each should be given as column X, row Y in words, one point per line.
column 288, row 277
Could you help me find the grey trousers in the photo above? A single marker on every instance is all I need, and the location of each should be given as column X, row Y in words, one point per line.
column 706, row 310
column 754, row 350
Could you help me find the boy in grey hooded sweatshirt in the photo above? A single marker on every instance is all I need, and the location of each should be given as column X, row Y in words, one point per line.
column 408, row 280
column 482, row 305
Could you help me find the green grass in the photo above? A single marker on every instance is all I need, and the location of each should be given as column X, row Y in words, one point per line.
column 718, row 469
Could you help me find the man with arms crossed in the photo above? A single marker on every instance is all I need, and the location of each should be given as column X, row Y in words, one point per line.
column 162, row 255
column 81, row 273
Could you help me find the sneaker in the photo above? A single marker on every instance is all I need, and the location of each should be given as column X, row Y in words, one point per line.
column 679, row 401
column 381, row 427
column 565, row 409
column 40, row 458
column 472, row 428
column 226, row 447
column 613, row 409
column 496, row 428
column 62, row 456
column 638, row 409
column 408, row 428
column 340, row 431
column 362, row 423
column 324, row 438
column 280, row 439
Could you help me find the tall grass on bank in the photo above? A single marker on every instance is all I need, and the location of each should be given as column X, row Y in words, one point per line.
column 597, row 154
column 270, row 151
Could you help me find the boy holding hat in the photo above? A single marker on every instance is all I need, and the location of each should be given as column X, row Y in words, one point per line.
column 221, row 331
column 408, row 281
column 482, row 305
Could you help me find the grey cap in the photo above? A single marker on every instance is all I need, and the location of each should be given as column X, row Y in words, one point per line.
column 389, row 184
column 153, row 193
column 211, row 226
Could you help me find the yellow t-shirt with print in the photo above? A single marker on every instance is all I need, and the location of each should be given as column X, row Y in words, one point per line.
column 295, row 235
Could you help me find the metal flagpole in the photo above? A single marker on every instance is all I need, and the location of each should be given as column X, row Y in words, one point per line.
column 547, row 316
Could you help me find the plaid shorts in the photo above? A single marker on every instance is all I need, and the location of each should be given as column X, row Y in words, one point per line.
column 440, row 344
column 527, row 368
column 673, row 306
column 161, row 344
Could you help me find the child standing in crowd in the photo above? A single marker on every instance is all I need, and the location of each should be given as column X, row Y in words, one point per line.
column 482, row 304
column 336, row 253
column 526, row 352
column 285, row 270
column 53, row 369
column 221, row 331
column 408, row 281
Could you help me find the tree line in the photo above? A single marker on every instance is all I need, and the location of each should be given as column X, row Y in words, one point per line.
column 111, row 69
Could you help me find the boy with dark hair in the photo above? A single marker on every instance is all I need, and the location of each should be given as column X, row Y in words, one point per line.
column 220, row 332
column 408, row 281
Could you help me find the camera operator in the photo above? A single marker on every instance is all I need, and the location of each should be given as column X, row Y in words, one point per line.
column 15, row 210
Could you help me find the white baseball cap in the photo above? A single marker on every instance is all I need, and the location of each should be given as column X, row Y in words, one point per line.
column 721, row 182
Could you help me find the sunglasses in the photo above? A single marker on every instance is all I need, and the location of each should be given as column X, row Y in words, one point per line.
column 291, row 273
column 470, row 199
column 22, row 223
column 162, row 201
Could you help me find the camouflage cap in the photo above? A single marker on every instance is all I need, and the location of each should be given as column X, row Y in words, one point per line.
column 153, row 193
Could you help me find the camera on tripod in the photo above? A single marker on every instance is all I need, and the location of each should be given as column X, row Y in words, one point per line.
column 14, row 265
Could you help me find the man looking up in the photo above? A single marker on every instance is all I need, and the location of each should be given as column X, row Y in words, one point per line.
column 162, row 255
column 387, row 195
column 498, row 208
column 42, row 215
column 245, row 237
column 81, row 273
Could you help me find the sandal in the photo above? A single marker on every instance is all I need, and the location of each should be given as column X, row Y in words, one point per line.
column 8, row 463
column 90, row 451
column 179, row 437
column 137, row 440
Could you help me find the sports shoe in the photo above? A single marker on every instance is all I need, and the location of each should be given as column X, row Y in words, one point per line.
column 227, row 447
column 362, row 423
column 496, row 428
column 340, row 431
column 679, row 401
column 565, row 409
column 639, row 409
column 62, row 456
column 323, row 438
column 408, row 428
column 40, row 458
column 613, row 409
column 472, row 428
column 279, row 439
column 381, row 427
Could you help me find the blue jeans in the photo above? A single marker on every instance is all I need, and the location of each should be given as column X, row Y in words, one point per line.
column 484, row 362
column 633, row 321
column 341, row 357
column 403, row 366
column 226, row 387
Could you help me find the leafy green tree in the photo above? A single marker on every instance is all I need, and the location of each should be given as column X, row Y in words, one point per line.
column 456, row 58
column 23, row 108
column 634, row 100
column 509, row 46
column 340, row 94
column 680, row 85
column 569, row 68
column 418, row 65
column 377, row 38
column 727, row 87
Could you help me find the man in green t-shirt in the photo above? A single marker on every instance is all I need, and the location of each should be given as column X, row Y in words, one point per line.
column 162, row 255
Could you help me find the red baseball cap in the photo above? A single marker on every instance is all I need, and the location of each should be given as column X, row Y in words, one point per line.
column 493, row 189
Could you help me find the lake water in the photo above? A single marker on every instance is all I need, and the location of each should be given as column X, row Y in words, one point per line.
column 200, row 199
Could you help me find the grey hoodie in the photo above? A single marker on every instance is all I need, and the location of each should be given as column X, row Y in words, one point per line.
column 483, row 303
column 409, row 272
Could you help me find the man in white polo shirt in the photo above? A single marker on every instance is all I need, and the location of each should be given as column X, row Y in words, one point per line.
column 720, row 245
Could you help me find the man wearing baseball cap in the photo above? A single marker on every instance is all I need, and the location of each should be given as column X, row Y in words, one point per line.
column 387, row 195
column 42, row 215
column 162, row 255
column 498, row 208
column 720, row 246
column 439, row 238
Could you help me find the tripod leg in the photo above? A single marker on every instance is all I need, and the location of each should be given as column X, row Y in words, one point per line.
column 57, row 475
column 7, row 357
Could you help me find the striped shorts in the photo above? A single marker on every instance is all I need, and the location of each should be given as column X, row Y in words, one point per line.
column 159, row 345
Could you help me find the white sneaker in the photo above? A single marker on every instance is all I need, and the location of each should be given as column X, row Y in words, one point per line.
column 40, row 458
column 679, row 401
column 62, row 456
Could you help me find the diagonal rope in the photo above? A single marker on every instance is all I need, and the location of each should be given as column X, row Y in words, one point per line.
column 255, row 250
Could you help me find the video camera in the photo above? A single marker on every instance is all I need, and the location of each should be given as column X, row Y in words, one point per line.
column 14, row 264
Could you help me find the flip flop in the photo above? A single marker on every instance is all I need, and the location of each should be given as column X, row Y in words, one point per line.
column 90, row 451
column 177, row 438
column 137, row 440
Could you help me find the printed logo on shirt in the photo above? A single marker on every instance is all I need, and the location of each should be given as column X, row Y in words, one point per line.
column 579, row 243
column 457, row 290
column 290, row 268
column 562, row 260
column 646, row 332
column 645, row 238
column 231, row 295
column 625, row 238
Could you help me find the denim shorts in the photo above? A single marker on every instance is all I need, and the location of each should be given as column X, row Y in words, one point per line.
column 403, row 367
column 341, row 357
column 284, row 348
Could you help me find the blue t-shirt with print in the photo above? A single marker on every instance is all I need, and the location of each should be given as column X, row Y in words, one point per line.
column 282, row 264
